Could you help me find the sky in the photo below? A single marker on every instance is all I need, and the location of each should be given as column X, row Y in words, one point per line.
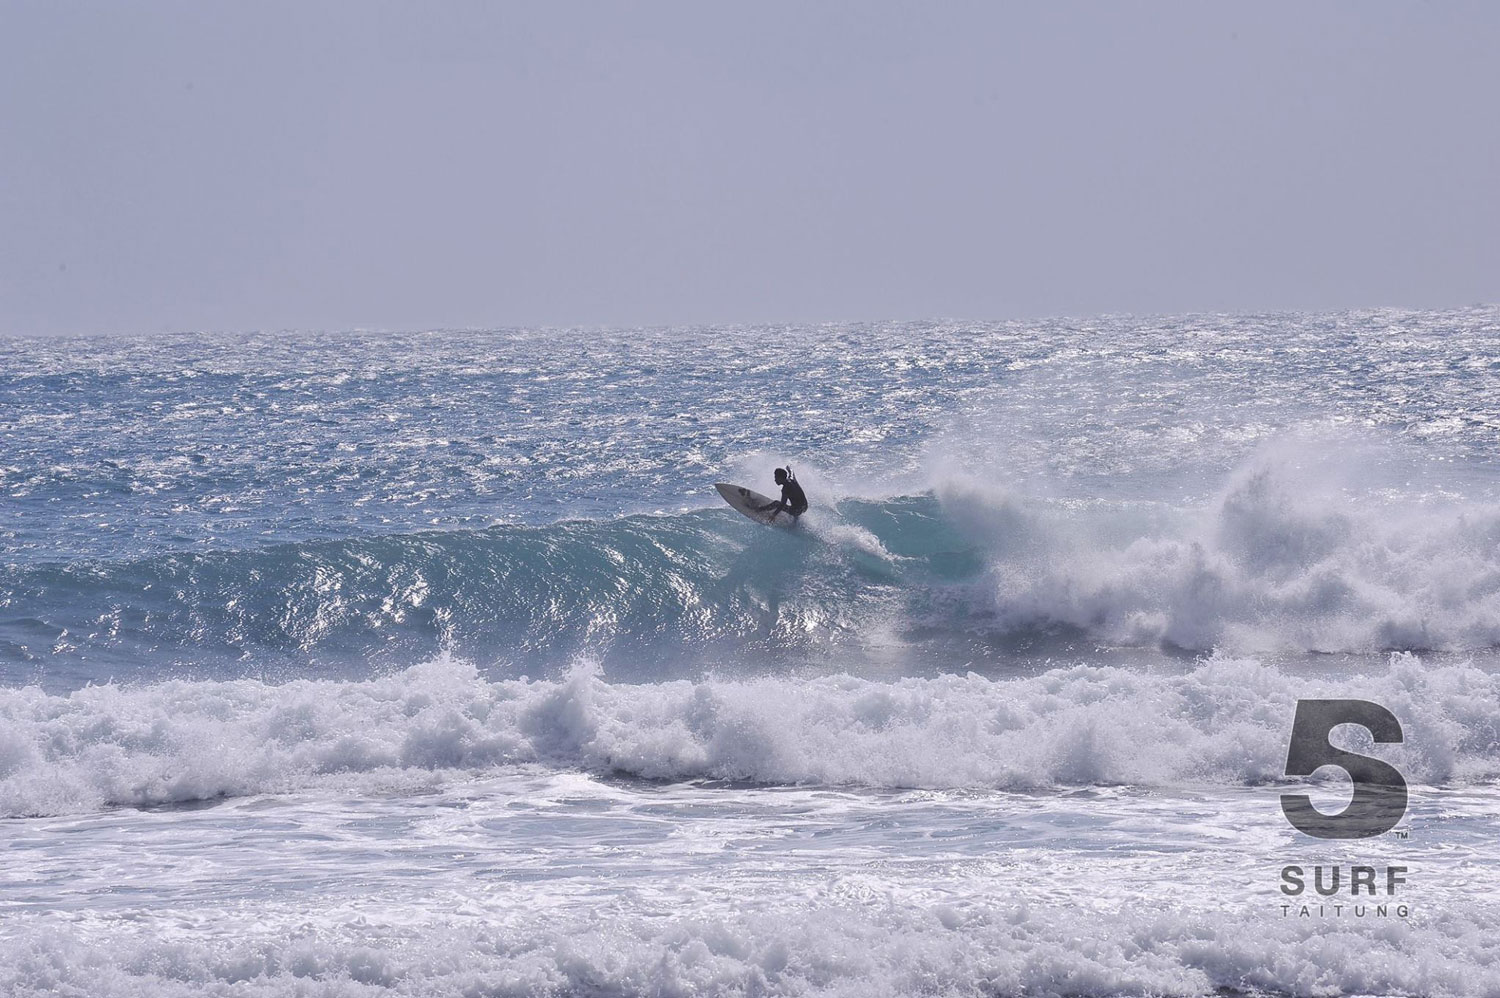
column 312, row 165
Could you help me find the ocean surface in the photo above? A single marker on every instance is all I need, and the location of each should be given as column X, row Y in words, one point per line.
column 431, row 663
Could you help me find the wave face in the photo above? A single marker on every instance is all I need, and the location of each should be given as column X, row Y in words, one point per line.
column 956, row 576
column 1223, row 722
column 533, row 597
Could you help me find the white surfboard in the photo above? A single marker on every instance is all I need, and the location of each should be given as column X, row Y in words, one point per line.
column 748, row 501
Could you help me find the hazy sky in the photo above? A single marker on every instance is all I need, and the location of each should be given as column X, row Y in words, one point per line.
column 204, row 165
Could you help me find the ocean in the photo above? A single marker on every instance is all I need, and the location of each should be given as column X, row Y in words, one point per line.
column 431, row 663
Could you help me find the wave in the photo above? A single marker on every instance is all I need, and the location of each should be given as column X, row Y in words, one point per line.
column 1282, row 561
column 1272, row 566
column 1225, row 721
column 633, row 589
column 853, row 950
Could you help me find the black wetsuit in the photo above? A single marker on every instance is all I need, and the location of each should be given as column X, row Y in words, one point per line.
column 793, row 499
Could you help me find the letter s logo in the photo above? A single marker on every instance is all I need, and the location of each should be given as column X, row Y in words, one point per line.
column 1379, row 798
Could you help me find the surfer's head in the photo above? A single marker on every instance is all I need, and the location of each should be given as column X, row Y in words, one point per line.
column 780, row 476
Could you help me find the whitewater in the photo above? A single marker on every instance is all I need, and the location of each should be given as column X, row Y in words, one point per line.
column 430, row 663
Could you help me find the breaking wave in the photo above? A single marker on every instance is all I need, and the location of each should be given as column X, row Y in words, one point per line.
column 1224, row 721
column 1271, row 566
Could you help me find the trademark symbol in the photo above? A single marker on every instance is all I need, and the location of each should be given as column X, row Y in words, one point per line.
column 1403, row 835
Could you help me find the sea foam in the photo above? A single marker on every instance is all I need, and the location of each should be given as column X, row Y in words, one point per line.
column 1225, row 720
column 1283, row 560
column 859, row 950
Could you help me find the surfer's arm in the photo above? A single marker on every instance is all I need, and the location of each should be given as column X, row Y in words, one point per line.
column 780, row 505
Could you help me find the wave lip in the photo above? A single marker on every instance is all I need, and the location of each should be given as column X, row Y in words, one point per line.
column 1223, row 722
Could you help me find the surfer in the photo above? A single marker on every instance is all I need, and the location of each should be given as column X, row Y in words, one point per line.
column 793, row 500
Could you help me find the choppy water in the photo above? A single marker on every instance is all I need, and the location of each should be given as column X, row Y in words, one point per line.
column 486, row 693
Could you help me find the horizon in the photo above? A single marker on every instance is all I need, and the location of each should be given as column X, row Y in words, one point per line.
column 543, row 328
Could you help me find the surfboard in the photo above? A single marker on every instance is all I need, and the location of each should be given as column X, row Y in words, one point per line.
column 747, row 501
